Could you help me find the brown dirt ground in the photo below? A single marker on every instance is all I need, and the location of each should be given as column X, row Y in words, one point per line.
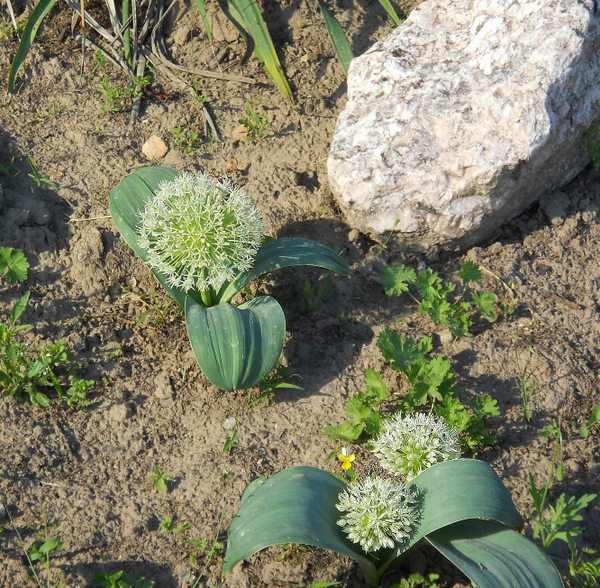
column 152, row 405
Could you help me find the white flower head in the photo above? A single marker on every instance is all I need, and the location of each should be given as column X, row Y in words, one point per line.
column 200, row 233
column 379, row 513
column 410, row 444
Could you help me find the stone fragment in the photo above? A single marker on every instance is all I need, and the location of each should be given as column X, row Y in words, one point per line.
column 555, row 206
column 464, row 116
column 154, row 148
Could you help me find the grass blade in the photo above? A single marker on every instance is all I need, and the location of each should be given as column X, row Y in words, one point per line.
column 253, row 21
column 202, row 9
column 29, row 33
column 338, row 37
column 391, row 12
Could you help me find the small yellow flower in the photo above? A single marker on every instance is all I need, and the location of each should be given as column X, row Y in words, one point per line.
column 346, row 457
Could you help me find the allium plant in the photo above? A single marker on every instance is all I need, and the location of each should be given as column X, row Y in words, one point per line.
column 458, row 506
column 409, row 444
column 203, row 239
column 378, row 513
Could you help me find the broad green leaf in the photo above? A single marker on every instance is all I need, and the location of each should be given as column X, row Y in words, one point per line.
column 338, row 37
column 279, row 253
column 19, row 308
column 399, row 351
column 375, row 385
column 486, row 301
column 470, row 272
column 13, row 265
column 391, row 12
column 293, row 506
column 236, row 346
column 128, row 199
column 492, row 556
column 252, row 20
column 347, row 431
column 29, row 33
column 397, row 278
column 202, row 9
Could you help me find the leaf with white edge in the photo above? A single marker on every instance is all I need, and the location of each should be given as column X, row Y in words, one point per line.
column 492, row 556
column 279, row 253
column 236, row 346
column 128, row 200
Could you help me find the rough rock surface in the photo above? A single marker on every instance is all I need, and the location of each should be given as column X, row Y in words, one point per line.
column 465, row 115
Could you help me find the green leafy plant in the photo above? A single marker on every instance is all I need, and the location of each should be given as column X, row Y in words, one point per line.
column 21, row 370
column 160, row 479
column 417, row 580
column 120, row 579
column 167, row 526
column 460, row 507
column 254, row 123
column 40, row 551
column 203, row 241
column 431, row 383
column 435, row 300
column 561, row 521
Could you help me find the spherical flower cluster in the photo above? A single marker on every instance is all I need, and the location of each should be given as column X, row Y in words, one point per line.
column 410, row 444
column 200, row 233
column 379, row 513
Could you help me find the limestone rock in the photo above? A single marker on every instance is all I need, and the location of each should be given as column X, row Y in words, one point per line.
column 465, row 115
column 154, row 148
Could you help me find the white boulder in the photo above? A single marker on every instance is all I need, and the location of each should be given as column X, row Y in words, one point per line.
column 465, row 115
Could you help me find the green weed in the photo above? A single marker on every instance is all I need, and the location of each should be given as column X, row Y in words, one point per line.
column 561, row 521
column 9, row 172
column 527, row 384
column 592, row 421
column 9, row 33
column 254, row 123
column 440, row 300
column 313, row 295
column 417, row 580
column 23, row 371
column 431, row 383
column 167, row 526
column 40, row 181
column 231, row 442
column 268, row 388
column 120, row 579
column 185, row 140
column 160, row 479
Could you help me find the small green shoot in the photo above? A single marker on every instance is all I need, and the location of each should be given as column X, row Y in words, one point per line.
column 185, row 140
column 527, row 384
column 268, row 388
column 435, row 298
column 40, row 181
column 231, row 442
column 592, row 421
column 121, row 579
column 313, row 295
column 290, row 548
column 167, row 526
column 254, row 123
column 160, row 479
column 199, row 98
column 9, row 172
